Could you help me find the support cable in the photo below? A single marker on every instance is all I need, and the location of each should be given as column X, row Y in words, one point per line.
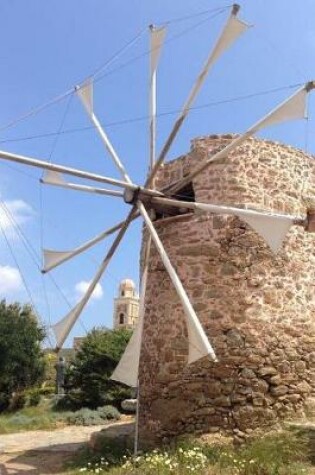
column 97, row 73
column 161, row 114
column 27, row 289
column 171, row 39
column 41, row 207
column 34, row 255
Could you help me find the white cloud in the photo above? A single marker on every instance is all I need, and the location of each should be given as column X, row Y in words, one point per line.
column 10, row 280
column 81, row 288
column 14, row 212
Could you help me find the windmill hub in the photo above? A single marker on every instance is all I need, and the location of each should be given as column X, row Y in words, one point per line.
column 131, row 196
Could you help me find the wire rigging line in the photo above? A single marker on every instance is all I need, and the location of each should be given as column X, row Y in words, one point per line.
column 32, row 252
column 117, row 54
column 28, row 291
column 54, row 144
column 37, row 110
column 98, row 71
column 282, row 53
column 307, row 124
column 60, row 128
column 194, row 15
column 160, row 115
column 147, row 52
column 53, row 148
column 16, row 169
column 69, row 92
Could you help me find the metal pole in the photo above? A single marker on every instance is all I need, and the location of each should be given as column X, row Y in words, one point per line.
column 74, row 314
column 219, row 47
column 136, row 440
column 238, row 141
column 55, row 179
column 63, row 256
column 204, row 347
column 210, row 208
column 85, row 93
column 12, row 157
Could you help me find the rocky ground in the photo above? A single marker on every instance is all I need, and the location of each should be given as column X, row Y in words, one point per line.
column 42, row 452
column 46, row 452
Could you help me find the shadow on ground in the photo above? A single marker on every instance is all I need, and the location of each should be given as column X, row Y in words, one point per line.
column 44, row 461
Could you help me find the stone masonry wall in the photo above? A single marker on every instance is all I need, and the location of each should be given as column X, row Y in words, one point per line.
column 258, row 309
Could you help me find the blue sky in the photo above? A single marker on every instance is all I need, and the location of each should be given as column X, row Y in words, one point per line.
column 48, row 47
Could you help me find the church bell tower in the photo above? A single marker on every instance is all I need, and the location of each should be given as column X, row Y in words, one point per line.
column 126, row 306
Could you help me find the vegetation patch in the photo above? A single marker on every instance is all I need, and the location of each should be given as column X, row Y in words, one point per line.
column 283, row 453
column 22, row 363
column 43, row 417
column 88, row 382
column 88, row 417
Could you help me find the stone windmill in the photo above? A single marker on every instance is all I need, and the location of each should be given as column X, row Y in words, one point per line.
column 156, row 201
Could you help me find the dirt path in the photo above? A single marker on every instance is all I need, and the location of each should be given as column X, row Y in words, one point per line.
column 42, row 452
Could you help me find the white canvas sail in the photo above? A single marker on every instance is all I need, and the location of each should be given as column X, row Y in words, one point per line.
column 126, row 371
column 62, row 328
column 198, row 343
column 54, row 258
column 157, row 39
column 233, row 29
column 53, row 178
column 85, row 92
column 271, row 228
column 291, row 109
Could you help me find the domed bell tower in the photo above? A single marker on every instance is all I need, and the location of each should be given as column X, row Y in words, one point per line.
column 126, row 306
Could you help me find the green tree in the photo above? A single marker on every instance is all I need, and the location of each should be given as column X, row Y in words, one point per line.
column 21, row 359
column 88, row 382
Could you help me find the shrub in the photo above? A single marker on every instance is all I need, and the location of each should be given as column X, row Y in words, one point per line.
column 84, row 417
column 46, row 390
column 21, row 364
column 67, row 402
column 34, row 395
column 108, row 413
column 34, row 399
column 274, row 454
column 88, row 382
column 21, row 420
column 277, row 454
column 17, row 401
column 89, row 417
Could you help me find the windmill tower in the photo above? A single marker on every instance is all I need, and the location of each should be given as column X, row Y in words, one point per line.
column 257, row 308
column 236, row 214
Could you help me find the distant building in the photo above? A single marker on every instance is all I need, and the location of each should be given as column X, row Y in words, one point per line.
column 77, row 342
column 126, row 310
column 126, row 306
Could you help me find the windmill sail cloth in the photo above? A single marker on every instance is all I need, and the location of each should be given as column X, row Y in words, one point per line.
column 127, row 369
column 199, row 345
column 272, row 229
column 53, row 178
column 85, row 92
column 232, row 30
column 293, row 108
column 157, row 39
column 63, row 327
column 53, row 258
